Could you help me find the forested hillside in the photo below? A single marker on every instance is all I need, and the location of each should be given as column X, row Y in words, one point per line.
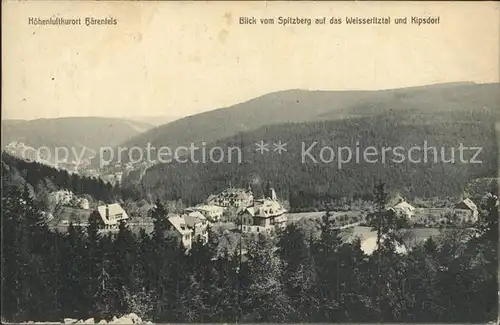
column 40, row 177
column 312, row 181
column 428, row 102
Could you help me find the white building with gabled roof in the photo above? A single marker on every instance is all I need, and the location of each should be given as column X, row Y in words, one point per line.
column 232, row 197
column 403, row 208
column 198, row 224
column 466, row 210
column 212, row 212
column 181, row 230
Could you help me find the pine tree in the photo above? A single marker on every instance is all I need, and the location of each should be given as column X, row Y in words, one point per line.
column 93, row 263
column 159, row 215
column 488, row 224
column 388, row 226
column 107, row 300
column 38, row 236
column 327, row 268
column 356, row 272
column 123, row 263
column 378, row 221
column 26, row 242
column 35, row 223
column 15, row 256
column 423, row 286
column 299, row 273
column 73, row 272
column 191, row 307
column 139, row 298
column 430, row 246
column 224, row 305
column 41, row 199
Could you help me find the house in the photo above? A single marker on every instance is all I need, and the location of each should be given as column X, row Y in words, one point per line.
column 111, row 215
column 213, row 213
column 232, row 197
column 264, row 214
column 466, row 210
column 198, row 224
column 181, row 230
column 189, row 227
column 404, row 208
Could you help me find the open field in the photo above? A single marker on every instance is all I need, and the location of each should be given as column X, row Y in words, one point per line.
column 294, row 217
column 367, row 232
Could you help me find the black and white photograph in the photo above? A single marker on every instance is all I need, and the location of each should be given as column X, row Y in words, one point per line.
column 271, row 162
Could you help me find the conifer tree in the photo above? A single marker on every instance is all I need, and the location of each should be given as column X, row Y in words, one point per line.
column 107, row 300
column 327, row 266
column 224, row 306
column 93, row 263
column 159, row 216
column 388, row 225
column 36, row 234
column 73, row 271
column 15, row 256
column 299, row 273
column 139, row 297
column 264, row 299
column 124, row 255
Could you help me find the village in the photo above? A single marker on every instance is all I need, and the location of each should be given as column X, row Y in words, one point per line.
column 234, row 209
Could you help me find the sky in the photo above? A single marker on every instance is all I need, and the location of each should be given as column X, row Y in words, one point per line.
column 179, row 59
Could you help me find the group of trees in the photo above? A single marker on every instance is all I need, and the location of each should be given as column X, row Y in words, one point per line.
column 293, row 277
column 311, row 183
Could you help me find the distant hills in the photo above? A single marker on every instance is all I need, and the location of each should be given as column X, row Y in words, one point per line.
column 154, row 120
column 444, row 115
column 427, row 102
column 89, row 132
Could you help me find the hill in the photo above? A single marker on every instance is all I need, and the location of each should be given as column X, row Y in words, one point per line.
column 71, row 132
column 154, row 120
column 309, row 182
column 291, row 106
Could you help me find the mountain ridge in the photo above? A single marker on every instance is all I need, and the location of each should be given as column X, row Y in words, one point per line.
column 316, row 105
column 92, row 132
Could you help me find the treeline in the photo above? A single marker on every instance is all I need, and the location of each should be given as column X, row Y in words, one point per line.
column 21, row 172
column 311, row 184
column 291, row 278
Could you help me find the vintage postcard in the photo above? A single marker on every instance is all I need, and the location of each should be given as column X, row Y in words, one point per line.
column 250, row 162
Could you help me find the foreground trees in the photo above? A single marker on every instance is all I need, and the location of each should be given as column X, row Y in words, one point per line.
column 293, row 278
